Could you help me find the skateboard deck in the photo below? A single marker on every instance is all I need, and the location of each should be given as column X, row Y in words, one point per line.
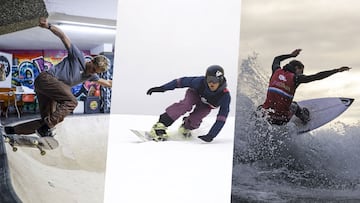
column 41, row 143
column 19, row 135
column 24, row 128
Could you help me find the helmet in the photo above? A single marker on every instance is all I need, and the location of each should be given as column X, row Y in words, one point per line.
column 215, row 73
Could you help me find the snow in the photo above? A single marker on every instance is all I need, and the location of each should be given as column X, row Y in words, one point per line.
column 171, row 171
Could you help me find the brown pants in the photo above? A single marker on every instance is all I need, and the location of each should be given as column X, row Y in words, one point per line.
column 55, row 99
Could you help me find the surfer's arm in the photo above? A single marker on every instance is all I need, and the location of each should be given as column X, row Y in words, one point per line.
column 319, row 75
column 105, row 83
column 278, row 59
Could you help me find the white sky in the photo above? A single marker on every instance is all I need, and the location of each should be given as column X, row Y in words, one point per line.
column 326, row 31
column 158, row 41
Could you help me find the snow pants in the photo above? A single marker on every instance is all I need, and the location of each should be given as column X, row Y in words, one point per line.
column 55, row 98
column 194, row 119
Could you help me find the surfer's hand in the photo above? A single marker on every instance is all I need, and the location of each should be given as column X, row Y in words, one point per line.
column 295, row 52
column 344, row 68
column 155, row 89
column 206, row 138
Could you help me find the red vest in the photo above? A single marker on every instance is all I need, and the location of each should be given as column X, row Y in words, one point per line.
column 280, row 94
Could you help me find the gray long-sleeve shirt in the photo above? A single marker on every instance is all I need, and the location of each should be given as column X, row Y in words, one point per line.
column 71, row 70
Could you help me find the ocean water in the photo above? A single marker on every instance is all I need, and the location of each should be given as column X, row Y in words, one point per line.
column 274, row 164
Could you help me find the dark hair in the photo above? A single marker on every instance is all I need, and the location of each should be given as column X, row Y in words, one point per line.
column 291, row 66
column 296, row 63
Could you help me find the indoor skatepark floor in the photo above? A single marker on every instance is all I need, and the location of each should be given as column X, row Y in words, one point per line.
column 74, row 172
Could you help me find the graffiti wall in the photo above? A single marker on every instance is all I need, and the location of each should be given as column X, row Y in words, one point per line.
column 5, row 69
column 26, row 65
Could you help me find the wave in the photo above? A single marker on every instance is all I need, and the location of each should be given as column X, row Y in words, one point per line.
column 273, row 163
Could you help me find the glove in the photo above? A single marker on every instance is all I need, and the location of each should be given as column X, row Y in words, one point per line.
column 155, row 89
column 206, row 138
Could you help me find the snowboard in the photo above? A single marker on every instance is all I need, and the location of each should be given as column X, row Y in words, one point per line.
column 144, row 136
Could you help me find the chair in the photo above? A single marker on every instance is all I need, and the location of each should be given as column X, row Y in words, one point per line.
column 8, row 98
column 29, row 99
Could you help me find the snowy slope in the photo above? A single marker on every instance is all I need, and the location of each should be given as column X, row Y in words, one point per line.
column 171, row 171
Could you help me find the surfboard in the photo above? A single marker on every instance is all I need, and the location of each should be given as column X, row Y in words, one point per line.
column 322, row 111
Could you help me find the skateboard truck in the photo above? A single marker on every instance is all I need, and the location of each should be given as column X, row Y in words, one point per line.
column 30, row 142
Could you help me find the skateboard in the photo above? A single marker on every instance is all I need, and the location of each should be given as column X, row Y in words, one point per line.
column 41, row 143
column 19, row 135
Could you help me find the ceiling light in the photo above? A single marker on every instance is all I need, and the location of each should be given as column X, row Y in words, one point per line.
column 85, row 27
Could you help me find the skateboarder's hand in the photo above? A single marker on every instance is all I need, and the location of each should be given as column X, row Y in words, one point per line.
column 43, row 22
column 155, row 89
column 206, row 138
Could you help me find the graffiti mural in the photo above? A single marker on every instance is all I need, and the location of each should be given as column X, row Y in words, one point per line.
column 25, row 73
column 5, row 67
column 28, row 64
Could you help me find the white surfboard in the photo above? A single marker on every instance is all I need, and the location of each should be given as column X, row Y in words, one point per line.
column 322, row 111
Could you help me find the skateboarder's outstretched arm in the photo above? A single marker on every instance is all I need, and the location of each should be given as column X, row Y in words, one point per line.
column 105, row 83
column 57, row 31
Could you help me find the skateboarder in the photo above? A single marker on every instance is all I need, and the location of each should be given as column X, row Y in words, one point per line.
column 205, row 93
column 53, row 87
column 282, row 87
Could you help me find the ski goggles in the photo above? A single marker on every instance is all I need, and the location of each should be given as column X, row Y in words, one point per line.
column 212, row 79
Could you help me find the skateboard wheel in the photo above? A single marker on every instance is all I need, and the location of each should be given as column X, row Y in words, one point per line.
column 14, row 149
column 42, row 153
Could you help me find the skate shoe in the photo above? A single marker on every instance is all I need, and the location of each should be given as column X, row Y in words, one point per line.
column 158, row 132
column 44, row 131
column 185, row 132
column 9, row 130
column 305, row 116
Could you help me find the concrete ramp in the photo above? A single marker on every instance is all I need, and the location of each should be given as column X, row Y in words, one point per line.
column 75, row 172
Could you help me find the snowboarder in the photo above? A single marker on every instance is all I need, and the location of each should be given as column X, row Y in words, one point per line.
column 205, row 93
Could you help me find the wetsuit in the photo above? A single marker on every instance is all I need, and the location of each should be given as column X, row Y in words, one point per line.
column 282, row 87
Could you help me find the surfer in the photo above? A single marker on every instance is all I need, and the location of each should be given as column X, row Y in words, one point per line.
column 279, row 103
